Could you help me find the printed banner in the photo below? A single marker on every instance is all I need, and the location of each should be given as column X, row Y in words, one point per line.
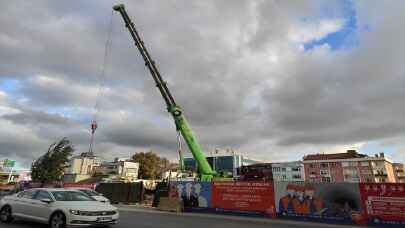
column 384, row 203
column 332, row 202
column 244, row 196
column 193, row 194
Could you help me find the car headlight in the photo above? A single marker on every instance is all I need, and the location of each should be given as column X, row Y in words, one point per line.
column 74, row 212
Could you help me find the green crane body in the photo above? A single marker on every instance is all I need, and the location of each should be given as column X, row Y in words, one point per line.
column 204, row 168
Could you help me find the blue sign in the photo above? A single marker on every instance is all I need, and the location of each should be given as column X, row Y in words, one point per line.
column 194, row 194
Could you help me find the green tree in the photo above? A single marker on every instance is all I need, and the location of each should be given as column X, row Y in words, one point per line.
column 50, row 166
column 151, row 166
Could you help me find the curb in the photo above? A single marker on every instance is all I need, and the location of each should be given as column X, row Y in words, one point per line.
column 231, row 217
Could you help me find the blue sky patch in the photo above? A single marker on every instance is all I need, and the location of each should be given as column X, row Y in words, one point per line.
column 376, row 147
column 346, row 37
column 8, row 85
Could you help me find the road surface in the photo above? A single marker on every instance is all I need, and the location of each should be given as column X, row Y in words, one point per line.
column 154, row 219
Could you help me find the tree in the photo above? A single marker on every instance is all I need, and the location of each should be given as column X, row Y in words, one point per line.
column 151, row 166
column 50, row 166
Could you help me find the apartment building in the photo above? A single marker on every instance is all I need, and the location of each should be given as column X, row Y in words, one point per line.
column 348, row 167
column 288, row 171
column 399, row 172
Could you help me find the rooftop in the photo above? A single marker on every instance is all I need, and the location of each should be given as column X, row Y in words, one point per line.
column 349, row 154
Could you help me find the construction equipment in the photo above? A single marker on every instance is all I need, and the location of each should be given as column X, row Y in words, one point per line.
column 205, row 171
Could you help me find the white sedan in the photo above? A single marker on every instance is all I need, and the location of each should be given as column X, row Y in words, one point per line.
column 97, row 196
column 57, row 207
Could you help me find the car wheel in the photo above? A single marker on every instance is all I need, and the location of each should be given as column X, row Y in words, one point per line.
column 58, row 220
column 5, row 214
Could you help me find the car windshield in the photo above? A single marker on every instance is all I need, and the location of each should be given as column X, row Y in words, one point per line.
column 89, row 192
column 71, row 196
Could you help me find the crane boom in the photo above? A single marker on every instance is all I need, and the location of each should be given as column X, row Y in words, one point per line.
column 205, row 170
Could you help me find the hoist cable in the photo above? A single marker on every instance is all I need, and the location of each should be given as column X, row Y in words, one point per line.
column 107, row 50
column 101, row 82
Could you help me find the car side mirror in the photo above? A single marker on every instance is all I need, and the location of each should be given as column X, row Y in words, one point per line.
column 48, row 201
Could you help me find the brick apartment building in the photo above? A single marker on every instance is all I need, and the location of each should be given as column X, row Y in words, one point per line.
column 399, row 172
column 348, row 167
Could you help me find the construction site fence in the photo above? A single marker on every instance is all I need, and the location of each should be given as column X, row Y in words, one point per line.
column 122, row 192
column 375, row 204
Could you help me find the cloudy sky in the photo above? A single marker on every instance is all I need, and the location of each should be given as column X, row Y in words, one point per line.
column 272, row 79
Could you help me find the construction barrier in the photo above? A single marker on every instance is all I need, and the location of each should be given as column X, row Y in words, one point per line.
column 244, row 197
column 375, row 204
column 122, row 192
column 161, row 190
column 169, row 204
column 384, row 204
column 323, row 202
column 194, row 195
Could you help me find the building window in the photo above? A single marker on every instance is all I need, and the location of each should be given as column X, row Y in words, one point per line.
column 364, row 163
column 353, row 163
column 345, row 164
column 324, row 165
column 311, row 165
column 365, row 171
column 283, row 169
column 324, row 172
column 326, row 179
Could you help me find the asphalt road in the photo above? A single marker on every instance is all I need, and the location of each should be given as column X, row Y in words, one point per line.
column 147, row 219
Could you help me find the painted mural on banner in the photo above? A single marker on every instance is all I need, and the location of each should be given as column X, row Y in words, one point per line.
column 247, row 197
column 384, row 203
column 330, row 202
column 193, row 194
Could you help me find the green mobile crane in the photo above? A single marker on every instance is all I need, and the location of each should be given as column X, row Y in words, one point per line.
column 205, row 171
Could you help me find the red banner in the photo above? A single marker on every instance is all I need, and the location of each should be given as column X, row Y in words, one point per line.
column 384, row 201
column 244, row 196
column 77, row 185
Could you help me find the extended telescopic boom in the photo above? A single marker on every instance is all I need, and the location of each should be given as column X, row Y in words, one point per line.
column 206, row 172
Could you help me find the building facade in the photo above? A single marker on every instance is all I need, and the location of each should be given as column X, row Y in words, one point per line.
column 288, row 171
column 81, row 167
column 399, row 172
column 348, row 167
column 120, row 170
column 222, row 161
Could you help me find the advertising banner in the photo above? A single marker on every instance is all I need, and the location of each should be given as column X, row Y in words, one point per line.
column 193, row 194
column 331, row 202
column 244, row 197
column 384, row 203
